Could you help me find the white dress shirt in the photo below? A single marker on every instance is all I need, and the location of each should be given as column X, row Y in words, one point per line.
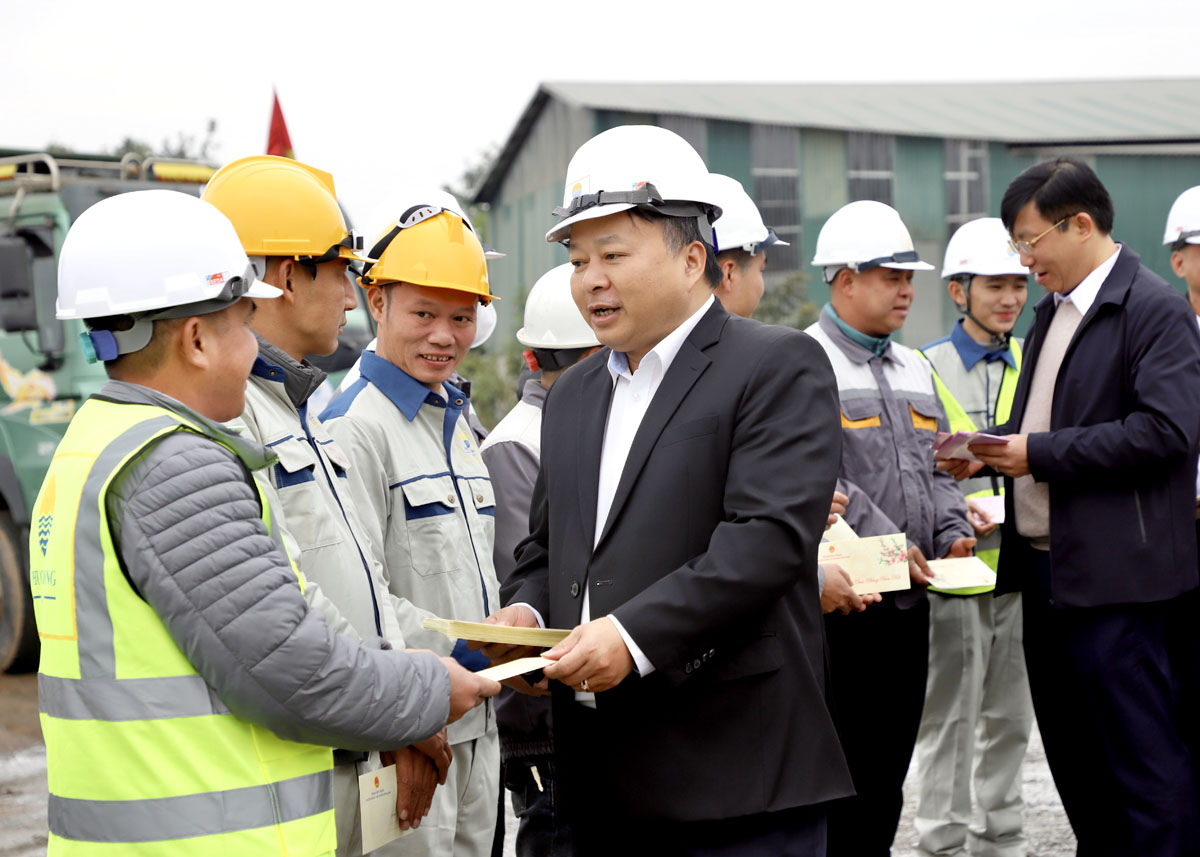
column 1084, row 295
column 632, row 393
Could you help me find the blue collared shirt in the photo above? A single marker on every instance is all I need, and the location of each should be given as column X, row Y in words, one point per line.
column 972, row 352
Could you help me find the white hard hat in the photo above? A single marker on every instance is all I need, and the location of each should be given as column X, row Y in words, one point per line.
column 485, row 323
column 740, row 226
column 635, row 166
column 864, row 235
column 1183, row 221
column 151, row 250
column 552, row 320
column 980, row 248
column 383, row 216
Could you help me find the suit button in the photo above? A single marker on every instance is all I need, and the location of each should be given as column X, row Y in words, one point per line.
column 712, row 653
column 696, row 664
column 574, row 588
column 704, row 657
column 687, row 668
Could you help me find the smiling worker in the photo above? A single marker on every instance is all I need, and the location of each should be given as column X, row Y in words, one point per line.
column 424, row 492
column 976, row 667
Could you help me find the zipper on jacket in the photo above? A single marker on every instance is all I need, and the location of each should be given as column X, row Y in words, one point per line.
column 303, row 412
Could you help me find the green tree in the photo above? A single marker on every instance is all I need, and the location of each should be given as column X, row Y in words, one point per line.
column 787, row 303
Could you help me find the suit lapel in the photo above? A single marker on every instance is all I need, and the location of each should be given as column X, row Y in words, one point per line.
column 687, row 367
column 593, row 412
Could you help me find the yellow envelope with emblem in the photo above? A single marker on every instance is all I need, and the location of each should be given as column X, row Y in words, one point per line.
column 875, row 563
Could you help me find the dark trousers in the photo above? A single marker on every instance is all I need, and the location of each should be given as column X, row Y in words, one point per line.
column 878, row 663
column 599, row 828
column 540, row 831
column 1105, row 703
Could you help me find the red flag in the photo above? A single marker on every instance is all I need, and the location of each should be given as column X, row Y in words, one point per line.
column 278, row 141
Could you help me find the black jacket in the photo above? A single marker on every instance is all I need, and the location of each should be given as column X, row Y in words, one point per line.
column 708, row 560
column 1120, row 456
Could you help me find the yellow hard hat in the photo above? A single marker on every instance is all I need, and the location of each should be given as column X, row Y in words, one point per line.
column 281, row 207
column 430, row 246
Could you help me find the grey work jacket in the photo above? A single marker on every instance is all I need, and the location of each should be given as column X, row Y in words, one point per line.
column 890, row 414
column 188, row 524
column 310, row 489
column 427, row 505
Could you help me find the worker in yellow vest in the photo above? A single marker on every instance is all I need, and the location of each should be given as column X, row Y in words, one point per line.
column 188, row 695
column 976, row 680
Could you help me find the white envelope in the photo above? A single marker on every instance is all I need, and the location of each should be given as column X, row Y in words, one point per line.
column 377, row 808
column 961, row 572
column 839, row 531
column 875, row 564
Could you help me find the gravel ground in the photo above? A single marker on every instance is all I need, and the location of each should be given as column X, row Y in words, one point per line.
column 23, row 788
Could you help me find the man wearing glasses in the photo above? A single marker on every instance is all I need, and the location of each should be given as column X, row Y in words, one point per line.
column 1098, row 533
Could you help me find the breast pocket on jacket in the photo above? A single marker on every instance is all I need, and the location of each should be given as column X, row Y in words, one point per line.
column 484, row 500
column 866, row 444
column 924, row 418
column 690, row 430
column 297, row 476
column 431, row 519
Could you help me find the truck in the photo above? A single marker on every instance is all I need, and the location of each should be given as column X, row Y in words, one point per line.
column 43, row 372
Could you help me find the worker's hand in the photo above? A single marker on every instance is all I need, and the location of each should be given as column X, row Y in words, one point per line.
column 918, row 569
column 466, row 689
column 837, row 507
column 437, row 749
column 416, row 779
column 1011, row 459
column 839, row 593
column 961, row 547
column 959, row 468
column 593, row 657
column 979, row 520
column 516, row 616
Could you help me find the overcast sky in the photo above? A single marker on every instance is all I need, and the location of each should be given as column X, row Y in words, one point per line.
column 390, row 96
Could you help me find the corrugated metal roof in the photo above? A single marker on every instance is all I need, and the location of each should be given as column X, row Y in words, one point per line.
column 1050, row 112
column 1033, row 114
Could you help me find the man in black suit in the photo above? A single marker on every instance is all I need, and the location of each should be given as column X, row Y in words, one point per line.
column 685, row 482
column 1098, row 532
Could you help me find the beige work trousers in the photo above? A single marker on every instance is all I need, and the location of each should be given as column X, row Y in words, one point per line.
column 462, row 819
column 974, row 728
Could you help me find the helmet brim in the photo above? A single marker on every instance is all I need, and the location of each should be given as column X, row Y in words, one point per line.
column 562, row 229
column 259, row 289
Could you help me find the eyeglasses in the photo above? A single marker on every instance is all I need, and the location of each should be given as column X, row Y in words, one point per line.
column 1024, row 248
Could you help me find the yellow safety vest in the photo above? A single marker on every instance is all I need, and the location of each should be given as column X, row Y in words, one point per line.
column 142, row 756
column 959, row 421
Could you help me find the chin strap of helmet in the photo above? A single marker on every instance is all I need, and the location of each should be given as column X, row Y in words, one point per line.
column 998, row 339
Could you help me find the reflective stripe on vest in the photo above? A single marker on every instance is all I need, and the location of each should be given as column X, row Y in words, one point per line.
column 959, row 421
column 140, row 751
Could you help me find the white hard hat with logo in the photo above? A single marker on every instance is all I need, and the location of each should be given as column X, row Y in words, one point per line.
column 640, row 166
column 151, row 254
column 552, row 319
column 981, row 248
column 740, row 226
column 864, row 235
column 1183, row 221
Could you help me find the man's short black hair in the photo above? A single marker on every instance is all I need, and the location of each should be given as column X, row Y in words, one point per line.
column 1059, row 188
column 737, row 254
column 679, row 232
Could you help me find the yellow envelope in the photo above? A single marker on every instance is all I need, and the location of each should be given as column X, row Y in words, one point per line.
column 478, row 631
column 961, row 572
column 875, row 564
column 513, row 668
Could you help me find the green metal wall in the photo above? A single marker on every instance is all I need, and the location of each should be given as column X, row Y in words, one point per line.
column 823, row 190
column 729, row 151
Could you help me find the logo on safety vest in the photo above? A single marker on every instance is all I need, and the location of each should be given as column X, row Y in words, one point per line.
column 45, row 520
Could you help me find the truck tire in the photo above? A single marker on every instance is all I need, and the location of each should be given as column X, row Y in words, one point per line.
column 18, row 632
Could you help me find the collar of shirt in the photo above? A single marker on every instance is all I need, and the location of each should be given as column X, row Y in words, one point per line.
column 406, row 392
column 299, row 380
column 841, row 335
column 971, row 352
column 1084, row 295
column 659, row 358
